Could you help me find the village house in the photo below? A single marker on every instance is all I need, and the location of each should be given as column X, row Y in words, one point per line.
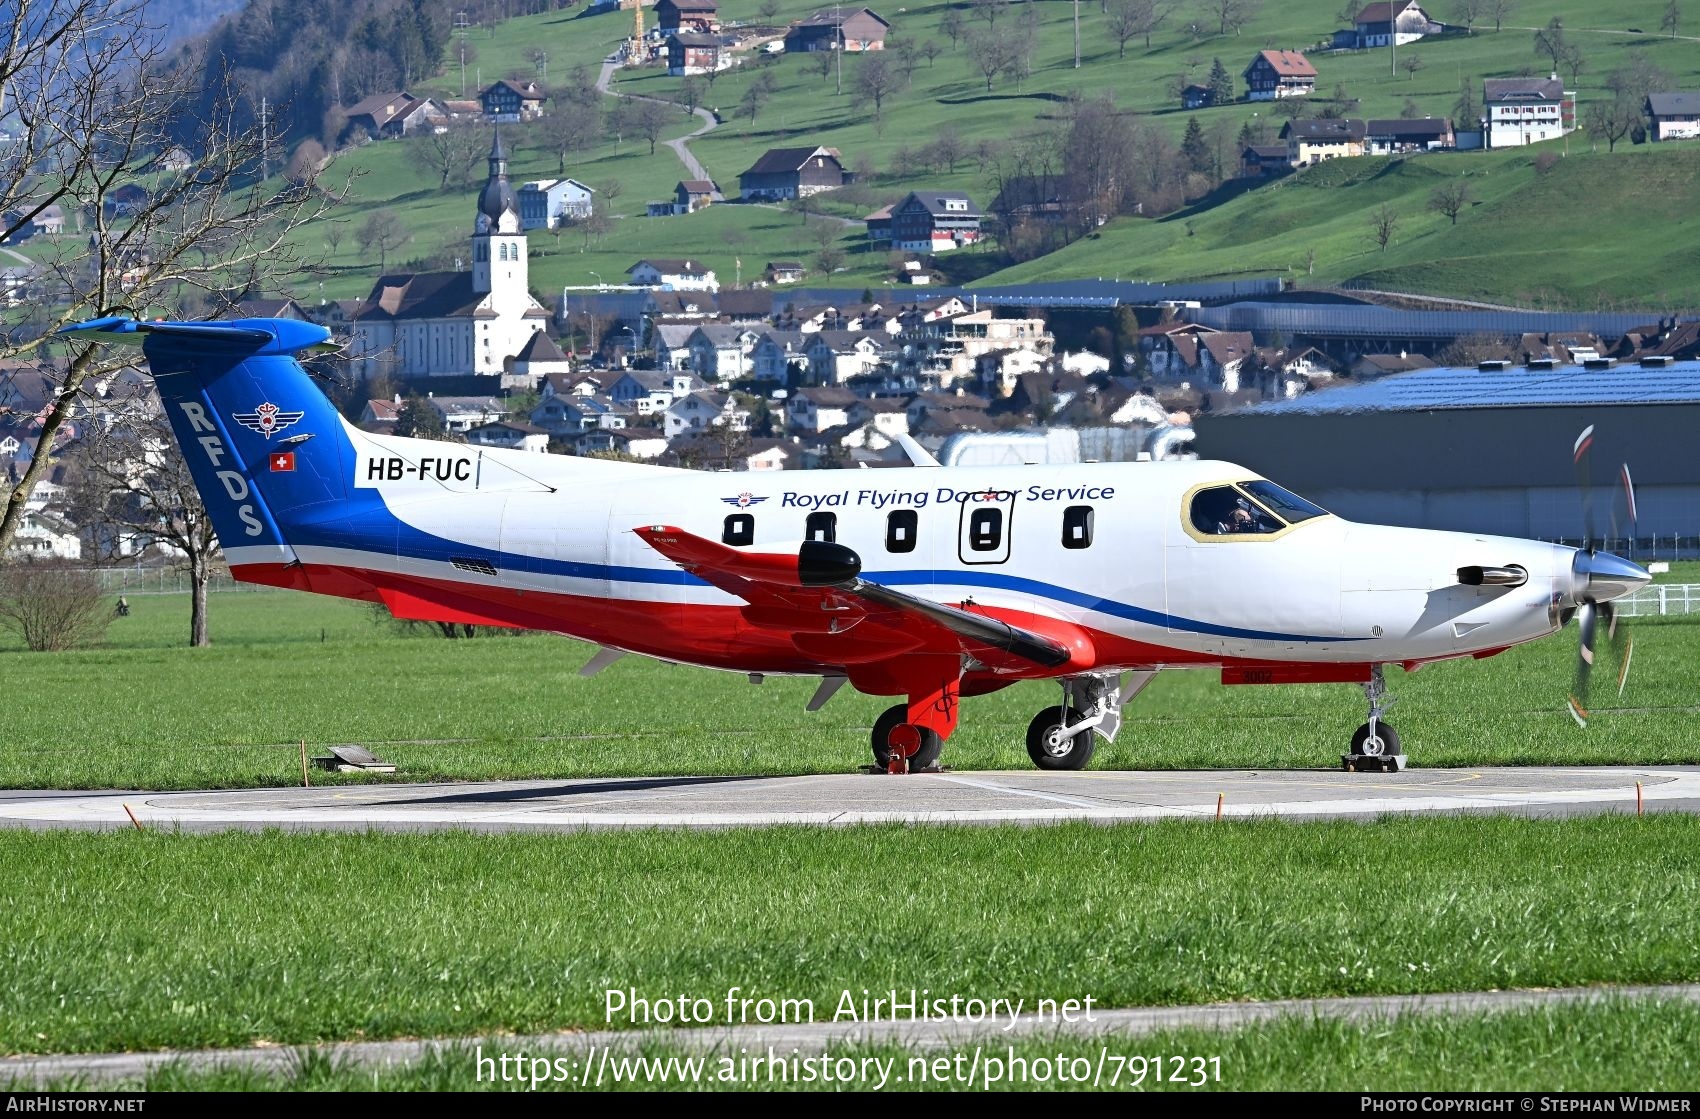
column 1264, row 160
column 546, row 203
column 819, row 409
column 509, row 436
column 783, row 271
column 508, row 101
column 539, row 358
column 1401, row 137
column 784, row 173
column 771, row 454
column 649, row 392
column 934, row 222
column 460, row 414
column 673, row 275
column 672, row 344
column 720, row 353
column 1197, row 96
column 835, row 356
column 1400, row 22
column 778, row 355
column 569, row 414
column 853, row 30
column 689, row 52
column 1314, row 139
column 699, row 16
column 1526, row 110
column 1283, row 373
column 1276, row 74
column 1674, row 116
column 879, row 223
column 1196, row 354
column 699, row 411
column 388, row 115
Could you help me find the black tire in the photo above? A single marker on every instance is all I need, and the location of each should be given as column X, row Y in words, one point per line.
column 924, row 758
column 1389, row 745
column 1078, row 753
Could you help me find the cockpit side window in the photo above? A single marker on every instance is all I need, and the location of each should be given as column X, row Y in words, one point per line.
column 1225, row 511
column 1289, row 506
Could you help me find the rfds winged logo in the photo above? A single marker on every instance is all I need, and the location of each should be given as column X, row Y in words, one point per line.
column 268, row 419
column 744, row 500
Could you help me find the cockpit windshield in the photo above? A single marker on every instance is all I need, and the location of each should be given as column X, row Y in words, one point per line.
column 1248, row 509
column 1289, row 506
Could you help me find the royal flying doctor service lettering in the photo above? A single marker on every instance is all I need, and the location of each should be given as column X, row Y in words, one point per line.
column 943, row 495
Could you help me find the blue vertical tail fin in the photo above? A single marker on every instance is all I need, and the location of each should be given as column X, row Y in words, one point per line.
column 263, row 443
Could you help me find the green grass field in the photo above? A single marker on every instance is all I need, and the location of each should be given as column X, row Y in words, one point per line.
column 1528, row 239
column 1623, row 1046
column 144, row 711
column 140, row 941
column 1629, row 260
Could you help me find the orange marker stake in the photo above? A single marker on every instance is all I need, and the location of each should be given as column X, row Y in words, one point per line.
column 1638, row 798
column 306, row 783
column 133, row 819
column 1219, row 807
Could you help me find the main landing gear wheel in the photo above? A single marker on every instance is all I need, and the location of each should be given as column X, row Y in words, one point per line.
column 1049, row 749
column 924, row 758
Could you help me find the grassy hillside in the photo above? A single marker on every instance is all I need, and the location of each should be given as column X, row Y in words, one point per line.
column 806, row 109
column 1596, row 231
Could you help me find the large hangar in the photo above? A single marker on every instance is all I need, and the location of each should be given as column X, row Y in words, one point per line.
column 1487, row 450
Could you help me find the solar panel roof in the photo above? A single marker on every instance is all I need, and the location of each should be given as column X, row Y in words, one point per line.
column 1516, row 387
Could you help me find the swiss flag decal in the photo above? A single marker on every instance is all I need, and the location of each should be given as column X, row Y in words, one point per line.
column 283, row 462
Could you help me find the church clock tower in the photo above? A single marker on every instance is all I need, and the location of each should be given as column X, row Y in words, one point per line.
column 499, row 267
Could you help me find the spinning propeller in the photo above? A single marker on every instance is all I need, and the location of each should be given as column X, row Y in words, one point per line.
column 1598, row 578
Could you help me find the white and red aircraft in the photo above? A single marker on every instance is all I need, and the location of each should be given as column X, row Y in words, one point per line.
column 932, row 584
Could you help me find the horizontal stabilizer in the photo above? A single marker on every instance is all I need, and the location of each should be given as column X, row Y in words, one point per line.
column 279, row 336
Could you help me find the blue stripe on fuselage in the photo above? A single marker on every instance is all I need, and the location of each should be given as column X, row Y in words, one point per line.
column 375, row 521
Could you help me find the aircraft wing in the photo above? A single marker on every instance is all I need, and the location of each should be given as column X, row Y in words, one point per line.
column 815, row 590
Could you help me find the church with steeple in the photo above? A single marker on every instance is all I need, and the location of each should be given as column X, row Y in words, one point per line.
column 451, row 324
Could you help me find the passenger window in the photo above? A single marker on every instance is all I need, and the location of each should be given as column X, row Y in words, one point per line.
column 985, row 530
column 740, row 530
column 1077, row 526
column 902, row 526
column 821, row 526
column 1225, row 511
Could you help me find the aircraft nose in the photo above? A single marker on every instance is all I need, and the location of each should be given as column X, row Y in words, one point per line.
column 1601, row 576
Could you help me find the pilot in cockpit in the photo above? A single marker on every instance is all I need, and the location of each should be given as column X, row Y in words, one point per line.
column 1237, row 518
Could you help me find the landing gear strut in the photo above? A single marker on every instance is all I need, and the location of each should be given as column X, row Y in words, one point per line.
column 1061, row 737
column 910, row 736
column 1375, row 745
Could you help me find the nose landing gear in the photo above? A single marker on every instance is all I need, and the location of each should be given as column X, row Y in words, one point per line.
column 1375, row 745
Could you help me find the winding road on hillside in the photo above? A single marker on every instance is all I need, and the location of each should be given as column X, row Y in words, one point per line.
column 693, row 168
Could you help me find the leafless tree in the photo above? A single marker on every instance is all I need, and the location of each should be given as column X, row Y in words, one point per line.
column 949, row 147
column 1383, row 223
column 450, row 154
column 1611, row 120
column 875, row 80
column 930, row 50
column 1574, row 61
column 1550, row 41
column 650, row 120
column 990, row 55
column 951, row 25
column 383, row 233
column 1500, row 10
column 52, row 605
column 138, row 486
column 1411, row 63
column 91, row 100
column 1672, row 18
column 1450, row 199
column 989, row 10
column 1126, row 20
column 1465, row 12
column 567, row 132
column 1232, row 15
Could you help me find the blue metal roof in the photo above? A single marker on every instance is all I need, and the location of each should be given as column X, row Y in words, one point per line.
column 1516, row 387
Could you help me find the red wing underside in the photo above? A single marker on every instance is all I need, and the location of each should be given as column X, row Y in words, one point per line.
column 862, row 622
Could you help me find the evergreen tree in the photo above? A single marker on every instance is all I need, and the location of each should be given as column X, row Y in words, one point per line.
column 1221, row 83
column 1196, row 148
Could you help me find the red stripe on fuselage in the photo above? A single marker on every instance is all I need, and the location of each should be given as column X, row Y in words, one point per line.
column 690, row 633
